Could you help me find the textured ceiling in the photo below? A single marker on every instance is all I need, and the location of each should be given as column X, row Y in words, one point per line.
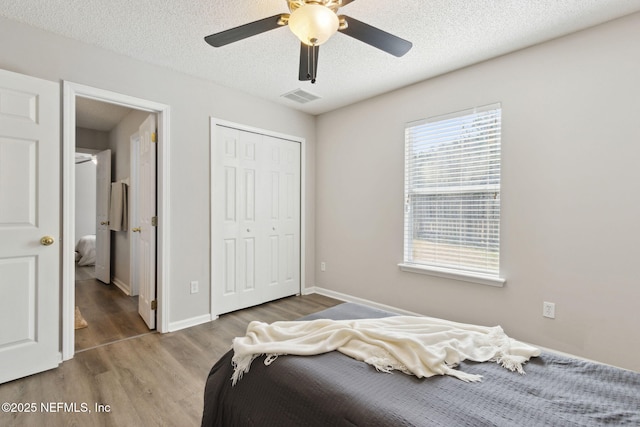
column 446, row 35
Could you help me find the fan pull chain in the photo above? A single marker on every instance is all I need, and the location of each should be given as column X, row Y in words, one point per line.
column 312, row 61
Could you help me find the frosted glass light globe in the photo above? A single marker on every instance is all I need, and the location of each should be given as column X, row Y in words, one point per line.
column 313, row 24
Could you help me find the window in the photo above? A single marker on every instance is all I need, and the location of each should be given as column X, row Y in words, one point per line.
column 452, row 195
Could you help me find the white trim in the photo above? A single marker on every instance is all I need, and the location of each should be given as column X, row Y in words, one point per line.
column 70, row 92
column 453, row 274
column 303, row 195
column 122, row 285
column 349, row 298
column 134, row 159
column 187, row 323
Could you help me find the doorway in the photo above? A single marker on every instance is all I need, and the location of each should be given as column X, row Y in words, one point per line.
column 106, row 295
column 72, row 93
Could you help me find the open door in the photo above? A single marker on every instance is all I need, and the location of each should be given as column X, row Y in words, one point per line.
column 29, row 225
column 103, row 233
column 148, row 222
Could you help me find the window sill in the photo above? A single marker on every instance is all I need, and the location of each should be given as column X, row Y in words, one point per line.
column 455, row 275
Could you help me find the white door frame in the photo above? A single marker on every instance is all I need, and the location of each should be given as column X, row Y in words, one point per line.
column 303, row 195
column 70, row 92
column 134, row 156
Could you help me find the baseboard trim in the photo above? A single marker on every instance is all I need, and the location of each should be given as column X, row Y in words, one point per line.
column 124, row 287
column 187, row 323
column 350, row 298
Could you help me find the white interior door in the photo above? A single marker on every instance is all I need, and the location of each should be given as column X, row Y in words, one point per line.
column 103, row 233
column 147, row 224
column 29, row 225
column 281, row 170
column 255, row 219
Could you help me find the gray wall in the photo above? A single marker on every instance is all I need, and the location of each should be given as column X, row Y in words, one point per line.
column 41, row 54
column 570, row 194
column 90, row 139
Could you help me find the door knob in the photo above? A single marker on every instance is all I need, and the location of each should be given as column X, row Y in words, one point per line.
column 136, row 229
column 46, row 241
column 104, row 223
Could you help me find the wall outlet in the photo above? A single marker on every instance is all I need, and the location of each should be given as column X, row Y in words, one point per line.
column 549, row 310
column 323, row 266
column 194, row 287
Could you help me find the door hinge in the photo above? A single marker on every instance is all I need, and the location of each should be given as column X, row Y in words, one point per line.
column 154, row 137
column 154, row 221
column 154, row 304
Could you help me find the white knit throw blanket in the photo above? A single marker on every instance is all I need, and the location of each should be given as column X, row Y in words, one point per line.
column 420, row 346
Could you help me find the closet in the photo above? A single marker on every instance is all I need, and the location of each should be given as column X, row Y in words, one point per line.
column 256, row 184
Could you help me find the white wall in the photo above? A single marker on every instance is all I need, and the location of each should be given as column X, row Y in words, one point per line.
column 85, row 199
column 192, row 101
column 570, row 194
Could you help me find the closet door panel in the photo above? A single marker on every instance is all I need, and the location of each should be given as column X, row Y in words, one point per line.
column 255, row 218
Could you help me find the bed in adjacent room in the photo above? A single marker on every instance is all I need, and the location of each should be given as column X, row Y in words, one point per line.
column 86, row 250
column 332, row 389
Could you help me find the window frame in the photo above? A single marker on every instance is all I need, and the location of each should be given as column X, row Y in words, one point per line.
column 433, row 268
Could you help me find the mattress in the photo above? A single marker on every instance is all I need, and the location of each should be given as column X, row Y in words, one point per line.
column 332, row 389
column 86, row 250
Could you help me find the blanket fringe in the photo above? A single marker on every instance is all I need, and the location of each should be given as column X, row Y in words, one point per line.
column 241, row 366
column 511, row 362
column 464, row 376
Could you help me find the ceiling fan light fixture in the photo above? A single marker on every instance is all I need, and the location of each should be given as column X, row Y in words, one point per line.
column 313, row 24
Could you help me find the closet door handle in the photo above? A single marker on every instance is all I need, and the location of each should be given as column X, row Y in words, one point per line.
column 104, row 222
column 136, row 229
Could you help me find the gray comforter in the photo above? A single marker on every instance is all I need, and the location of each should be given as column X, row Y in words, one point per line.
column 334, row 390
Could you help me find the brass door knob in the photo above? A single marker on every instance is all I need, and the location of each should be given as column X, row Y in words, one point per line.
column 136, row 229
column 47, row 241
column 104, row 222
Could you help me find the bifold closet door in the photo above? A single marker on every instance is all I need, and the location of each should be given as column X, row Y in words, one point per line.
column 255, row 219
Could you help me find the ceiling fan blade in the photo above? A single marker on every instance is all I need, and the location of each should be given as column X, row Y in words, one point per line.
column 243, row 31
column 308, row 62
column 376, row 37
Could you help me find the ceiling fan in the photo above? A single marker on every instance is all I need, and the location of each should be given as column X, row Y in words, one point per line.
column 314, row 22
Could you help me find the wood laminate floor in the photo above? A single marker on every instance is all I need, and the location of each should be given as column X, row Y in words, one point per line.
column 111, row 315
column 149, row 380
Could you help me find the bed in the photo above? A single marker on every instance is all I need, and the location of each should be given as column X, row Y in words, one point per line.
column 332, row 389
column 86, row 250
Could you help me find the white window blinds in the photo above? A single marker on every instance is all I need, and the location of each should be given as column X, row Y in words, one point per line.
column 452, row 191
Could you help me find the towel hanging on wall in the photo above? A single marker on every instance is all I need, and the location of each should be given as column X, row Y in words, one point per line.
column 118, row 208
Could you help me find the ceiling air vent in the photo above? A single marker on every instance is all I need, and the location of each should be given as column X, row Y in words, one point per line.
column 300, row 96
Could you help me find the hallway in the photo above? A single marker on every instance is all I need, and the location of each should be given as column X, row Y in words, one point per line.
column 110, row 314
